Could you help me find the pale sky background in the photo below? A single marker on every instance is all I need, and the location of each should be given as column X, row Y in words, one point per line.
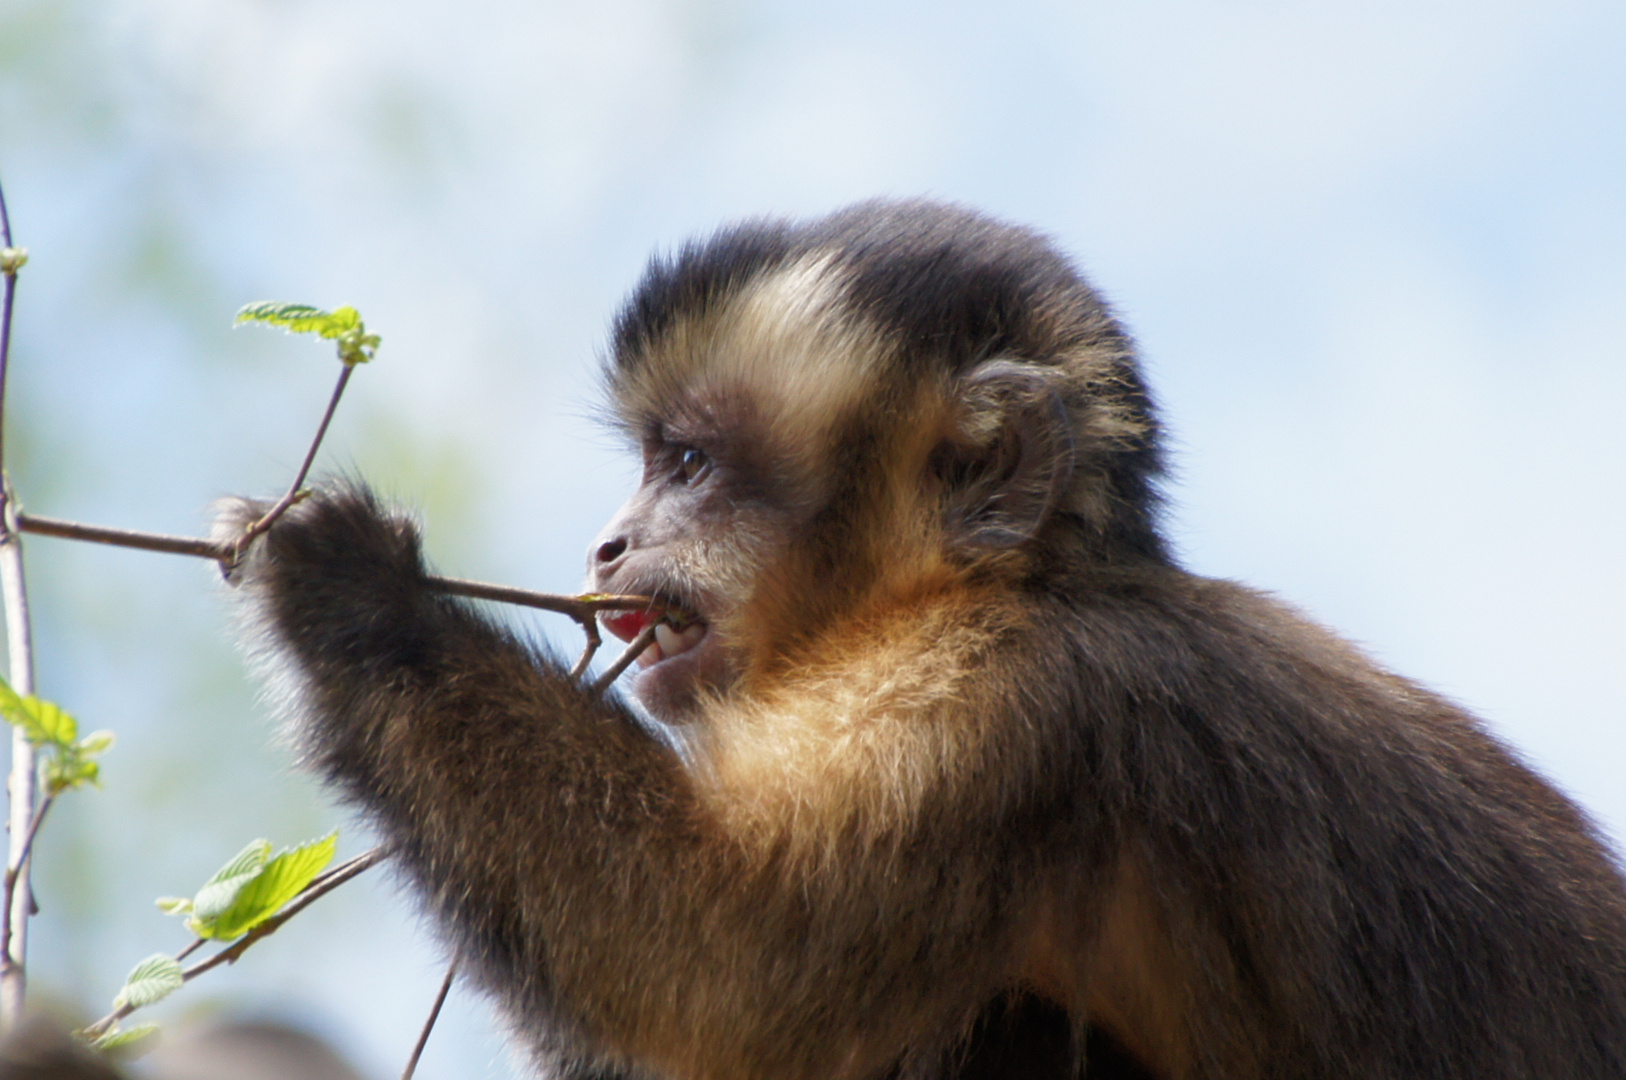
column 1374, row 252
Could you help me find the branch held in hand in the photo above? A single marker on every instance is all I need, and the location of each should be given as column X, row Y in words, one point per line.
column 583, row 609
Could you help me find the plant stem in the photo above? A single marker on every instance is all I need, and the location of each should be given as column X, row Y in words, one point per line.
column 581, row 608
column 11, row 876
column 634, row 649
column 429, row 1023
column 28, row 841
column 24, row 780
column 242, row 542
column 100, row 534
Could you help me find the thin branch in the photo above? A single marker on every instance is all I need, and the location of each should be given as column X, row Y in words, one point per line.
column 18, row 906
column 10, row 261
column 5, row 221
column 318, row 888
column 590, row 628
column 271, row 515
column 634, row 648
column 582, row 608
column 21, row 818
column 429, row 1023
column 146, row 541
column 27, row 850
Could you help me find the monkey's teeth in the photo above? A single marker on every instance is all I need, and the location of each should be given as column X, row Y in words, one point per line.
column 652, row 654
column 671, row 642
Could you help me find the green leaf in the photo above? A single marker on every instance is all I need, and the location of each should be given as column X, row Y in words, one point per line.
column 342, row 325
column 174, row 905
column 115, row 1039
column 68, row 770
column 57, row 726
column 152, row 980
column 279, row 882
column 97, row 742
column 43, row 722
column 11, row 703
column 219, row 891
column 300, row 318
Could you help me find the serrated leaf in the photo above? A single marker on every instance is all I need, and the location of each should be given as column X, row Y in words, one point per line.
column 279, row 882
column 43, row 722
column 174, row 905
column 343, row 325
column 56, row 725
column 117, row 1039
column 152, row 980
column 219, row 891
column 301, row 318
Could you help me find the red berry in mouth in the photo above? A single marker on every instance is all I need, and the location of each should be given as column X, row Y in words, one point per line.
column 627, row 625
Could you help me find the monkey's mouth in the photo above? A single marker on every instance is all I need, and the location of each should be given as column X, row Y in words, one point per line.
column 676, row 631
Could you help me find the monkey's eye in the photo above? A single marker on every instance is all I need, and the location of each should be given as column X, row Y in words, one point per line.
column 692, row 465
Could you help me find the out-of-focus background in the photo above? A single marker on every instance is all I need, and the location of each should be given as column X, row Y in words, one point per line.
column 1374, row 251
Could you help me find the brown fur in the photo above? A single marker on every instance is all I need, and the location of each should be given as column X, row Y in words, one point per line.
column 984, row 785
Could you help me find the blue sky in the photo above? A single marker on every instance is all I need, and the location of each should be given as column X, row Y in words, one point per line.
column 1375, row 255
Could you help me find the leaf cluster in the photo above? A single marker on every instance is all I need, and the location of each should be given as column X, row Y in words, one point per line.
column 70, row 761
column 244, row 894
column 251, row 888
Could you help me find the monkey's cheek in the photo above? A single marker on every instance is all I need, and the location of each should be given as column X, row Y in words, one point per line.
column 669, row 686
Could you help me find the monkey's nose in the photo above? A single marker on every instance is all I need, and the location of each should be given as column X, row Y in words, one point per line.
column 611, row 550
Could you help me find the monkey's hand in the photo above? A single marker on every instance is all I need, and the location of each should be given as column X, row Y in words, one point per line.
column 336, row 575
column 339, row 609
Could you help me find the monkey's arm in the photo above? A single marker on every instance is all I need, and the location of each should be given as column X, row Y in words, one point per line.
column 563, row 847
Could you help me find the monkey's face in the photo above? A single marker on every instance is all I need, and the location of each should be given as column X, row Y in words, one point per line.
column 696, row 535
column 812, row 454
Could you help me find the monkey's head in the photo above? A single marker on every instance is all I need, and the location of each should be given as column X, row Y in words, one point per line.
column 852, row 413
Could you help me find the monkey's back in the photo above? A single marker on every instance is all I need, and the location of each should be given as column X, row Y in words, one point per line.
column 1365, row 882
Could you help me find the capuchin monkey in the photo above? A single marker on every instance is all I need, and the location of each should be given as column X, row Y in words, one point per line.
column 978, row 781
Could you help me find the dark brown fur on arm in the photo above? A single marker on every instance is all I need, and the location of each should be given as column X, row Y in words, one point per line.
column 567, row 850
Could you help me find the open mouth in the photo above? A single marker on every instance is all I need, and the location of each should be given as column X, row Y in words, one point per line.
column 676, row 631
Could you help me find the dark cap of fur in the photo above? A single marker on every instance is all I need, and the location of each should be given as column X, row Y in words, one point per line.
column 948, row 289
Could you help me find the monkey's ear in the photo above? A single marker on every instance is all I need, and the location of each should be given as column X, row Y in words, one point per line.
column 1009, row 459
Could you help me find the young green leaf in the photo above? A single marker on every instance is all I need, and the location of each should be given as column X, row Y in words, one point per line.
column 342, row 325
column 97, row 742
column 220, row 890
column 279, row 882
column 300, row 318
column 116, row 1039
column 174, row 905
column 43, row 722
column 56, row 727
column 67, row 771
column 152, row 980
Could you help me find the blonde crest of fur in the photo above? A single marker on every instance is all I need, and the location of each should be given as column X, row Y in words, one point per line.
column 785, row 343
